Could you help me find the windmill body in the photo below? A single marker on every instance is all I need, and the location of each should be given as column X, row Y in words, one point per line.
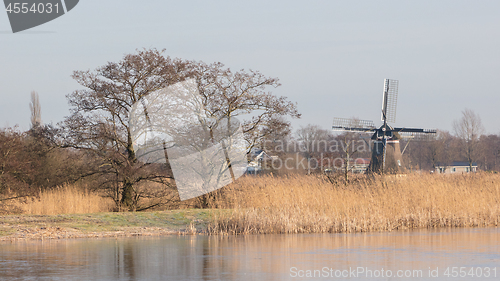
column 386, row 150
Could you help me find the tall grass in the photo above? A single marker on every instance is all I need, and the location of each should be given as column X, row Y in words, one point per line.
column 68, row 199
column 307, row 204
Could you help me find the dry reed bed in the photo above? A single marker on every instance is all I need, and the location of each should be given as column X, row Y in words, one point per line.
column 67, row 199
column 311, row 204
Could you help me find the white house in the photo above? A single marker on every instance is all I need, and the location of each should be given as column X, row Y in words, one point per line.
column 257, row 157
column 455, row 167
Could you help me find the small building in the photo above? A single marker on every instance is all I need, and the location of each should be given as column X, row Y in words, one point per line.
column 361, row 165
column 455, row 167
column 257, row 160
column 356, row 166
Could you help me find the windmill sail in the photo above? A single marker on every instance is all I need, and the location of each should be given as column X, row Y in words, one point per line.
column 390, row 100
column 352, row 124
column 415, row 130
column 416, row 133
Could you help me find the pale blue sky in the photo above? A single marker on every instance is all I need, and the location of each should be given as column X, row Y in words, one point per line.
column 330, row 56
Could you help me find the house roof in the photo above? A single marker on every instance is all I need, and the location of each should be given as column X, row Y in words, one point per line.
column 362, row 161
column 462, row 163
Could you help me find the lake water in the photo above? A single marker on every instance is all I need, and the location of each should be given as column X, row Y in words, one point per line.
column 472, row 253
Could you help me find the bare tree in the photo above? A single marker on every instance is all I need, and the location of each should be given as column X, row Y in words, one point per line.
column 16, row 163
column 469, row 130
column 313, row 141
column 348, row 150
column 36, row 110
column 99, row 123
column 490, row 152
column 431, row 151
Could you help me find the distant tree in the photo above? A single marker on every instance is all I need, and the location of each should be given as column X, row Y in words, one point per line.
column 54, row 166
column 16, row 163
column 490, row 152
column 436, row 150
column 36, row 110
column 433, row 154
column 313, row 141
column 29, row 162
column 469, row 129
column 352, row 146
column 41, row 140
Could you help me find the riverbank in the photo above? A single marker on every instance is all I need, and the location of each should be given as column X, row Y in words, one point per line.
column 293, row 204
column 98, row 225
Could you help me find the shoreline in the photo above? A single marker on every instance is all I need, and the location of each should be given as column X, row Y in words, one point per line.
column 22, row 228
column 102, row 225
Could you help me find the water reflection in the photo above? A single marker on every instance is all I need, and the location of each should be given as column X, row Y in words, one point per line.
column 258, row 257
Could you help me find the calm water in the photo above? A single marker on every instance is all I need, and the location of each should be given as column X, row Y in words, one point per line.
column 416, row 254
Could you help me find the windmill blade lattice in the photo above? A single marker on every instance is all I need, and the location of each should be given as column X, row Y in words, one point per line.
column 417, row 133
column 351, row 124
column 390, row 100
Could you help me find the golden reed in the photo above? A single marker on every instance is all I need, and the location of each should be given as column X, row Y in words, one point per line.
column 67, row 199
column 312, row 204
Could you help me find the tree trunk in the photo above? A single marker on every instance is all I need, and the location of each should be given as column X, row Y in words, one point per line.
column 130, row 148
column 127, row 200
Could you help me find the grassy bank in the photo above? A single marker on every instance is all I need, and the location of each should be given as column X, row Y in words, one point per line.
column 19, row 227
column 311, row 204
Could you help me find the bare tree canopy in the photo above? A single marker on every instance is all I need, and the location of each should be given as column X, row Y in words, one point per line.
column 229, row 94
column 313, row 138
column 469, row 130
column 99, row 122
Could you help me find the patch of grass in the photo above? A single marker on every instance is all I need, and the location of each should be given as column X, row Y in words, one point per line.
column 5, row 230
column 176, row 220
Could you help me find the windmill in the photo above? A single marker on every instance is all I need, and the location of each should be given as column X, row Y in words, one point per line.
column 386, row 151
